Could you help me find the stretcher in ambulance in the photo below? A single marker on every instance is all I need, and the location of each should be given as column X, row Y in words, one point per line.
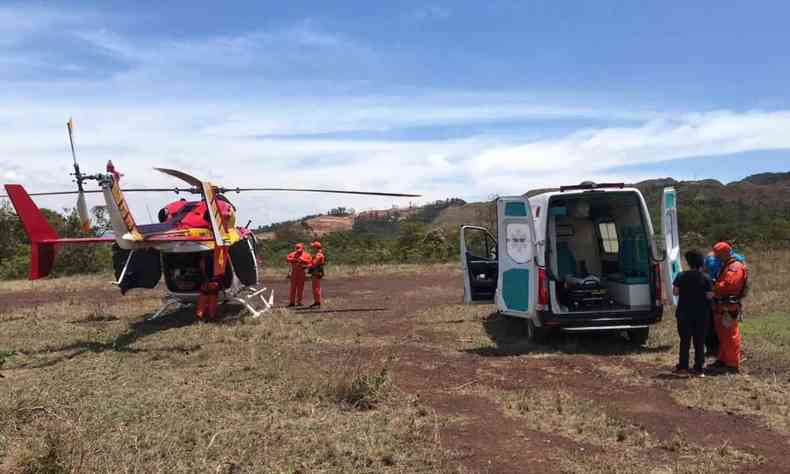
column 579, row 259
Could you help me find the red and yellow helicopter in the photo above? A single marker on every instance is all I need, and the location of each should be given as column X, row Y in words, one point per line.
column 206, row 259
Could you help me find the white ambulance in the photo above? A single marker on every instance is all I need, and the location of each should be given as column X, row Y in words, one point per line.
column 579, row 259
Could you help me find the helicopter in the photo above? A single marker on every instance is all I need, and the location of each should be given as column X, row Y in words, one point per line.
column 205, row 257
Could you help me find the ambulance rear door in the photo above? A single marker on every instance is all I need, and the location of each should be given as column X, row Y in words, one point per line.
column 669, row 229
column 517, row 281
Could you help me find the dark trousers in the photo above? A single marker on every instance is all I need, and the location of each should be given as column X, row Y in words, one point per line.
column 692, row 328
column 711, row 338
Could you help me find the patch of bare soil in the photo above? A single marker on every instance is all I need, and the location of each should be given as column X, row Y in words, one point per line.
column 483, row 439
column 13, row 301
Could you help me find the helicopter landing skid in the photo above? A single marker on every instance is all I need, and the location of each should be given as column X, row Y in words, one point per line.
column 168, row 302
column 251, row 295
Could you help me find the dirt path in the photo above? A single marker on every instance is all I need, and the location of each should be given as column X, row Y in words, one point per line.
column 485, row 440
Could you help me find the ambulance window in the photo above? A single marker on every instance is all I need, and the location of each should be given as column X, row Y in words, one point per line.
column 479, row 244
column 608, row 232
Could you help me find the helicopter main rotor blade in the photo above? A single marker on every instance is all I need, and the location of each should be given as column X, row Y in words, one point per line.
column 188, row 178
column 131, row 190
column 197, row 183
column 332, row 191
column 224, row 190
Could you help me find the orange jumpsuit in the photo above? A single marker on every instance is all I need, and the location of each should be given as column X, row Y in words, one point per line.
column 316, row 273
column 299, row 260
column 726, row 308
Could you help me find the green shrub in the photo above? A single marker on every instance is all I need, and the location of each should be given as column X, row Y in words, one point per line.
column 5, row 356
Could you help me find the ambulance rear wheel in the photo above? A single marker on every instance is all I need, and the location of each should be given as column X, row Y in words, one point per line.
column 536, row 334
column 638, row 337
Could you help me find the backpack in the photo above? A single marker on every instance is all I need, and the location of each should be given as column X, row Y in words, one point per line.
column 319, row 270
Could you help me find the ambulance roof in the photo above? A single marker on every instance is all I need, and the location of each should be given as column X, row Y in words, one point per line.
column 590, row 191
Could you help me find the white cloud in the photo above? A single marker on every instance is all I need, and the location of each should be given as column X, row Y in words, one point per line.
column 375, row 114
column 256, row 55
column 712, row 133
column 205, row 100
column 137, row 139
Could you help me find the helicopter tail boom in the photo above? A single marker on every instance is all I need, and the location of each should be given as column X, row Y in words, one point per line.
column 42, row 236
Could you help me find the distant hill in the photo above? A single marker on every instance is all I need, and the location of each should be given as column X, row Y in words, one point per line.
column 754, row 209
column 766, row 191
column 767, row 179
column 381, row 221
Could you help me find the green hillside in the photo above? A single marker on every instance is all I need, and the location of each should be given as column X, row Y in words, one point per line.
column 754, row 211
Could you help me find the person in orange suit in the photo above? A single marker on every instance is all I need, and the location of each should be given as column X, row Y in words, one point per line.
column 317, row 272
column 299, row 260
column 729, row 289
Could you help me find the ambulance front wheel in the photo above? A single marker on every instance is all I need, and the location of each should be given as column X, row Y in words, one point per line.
column 638, row 337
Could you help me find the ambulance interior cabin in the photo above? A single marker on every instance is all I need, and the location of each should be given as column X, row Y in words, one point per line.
column 598, row 252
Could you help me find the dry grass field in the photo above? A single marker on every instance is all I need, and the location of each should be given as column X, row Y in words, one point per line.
column 391, row 375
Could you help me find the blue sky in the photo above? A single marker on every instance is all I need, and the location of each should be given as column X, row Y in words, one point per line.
column 439, row 98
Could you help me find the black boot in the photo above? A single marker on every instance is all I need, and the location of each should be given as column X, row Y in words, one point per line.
column 315, row 305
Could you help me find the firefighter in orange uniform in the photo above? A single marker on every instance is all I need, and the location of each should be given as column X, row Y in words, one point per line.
column 728, row 291
column 317, row 272
column 299, row 260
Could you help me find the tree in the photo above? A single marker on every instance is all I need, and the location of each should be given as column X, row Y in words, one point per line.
column 410, row 241
column 101, row 220
column 75, row 259
column 435, row 245
column 341, row 211
column 14, row 252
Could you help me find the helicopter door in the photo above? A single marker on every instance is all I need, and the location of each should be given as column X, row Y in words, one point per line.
column 479, row 264
column 517, row 284
column 669, row 229
column 136, row 268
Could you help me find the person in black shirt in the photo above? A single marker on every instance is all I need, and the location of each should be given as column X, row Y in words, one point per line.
column 695, row 291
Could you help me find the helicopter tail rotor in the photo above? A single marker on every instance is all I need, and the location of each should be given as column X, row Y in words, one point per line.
column 82, row 206
column 82, row 211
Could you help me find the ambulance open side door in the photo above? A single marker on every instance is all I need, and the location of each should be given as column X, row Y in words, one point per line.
column 517, row 281
column 478, row 264
column 669, row 230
